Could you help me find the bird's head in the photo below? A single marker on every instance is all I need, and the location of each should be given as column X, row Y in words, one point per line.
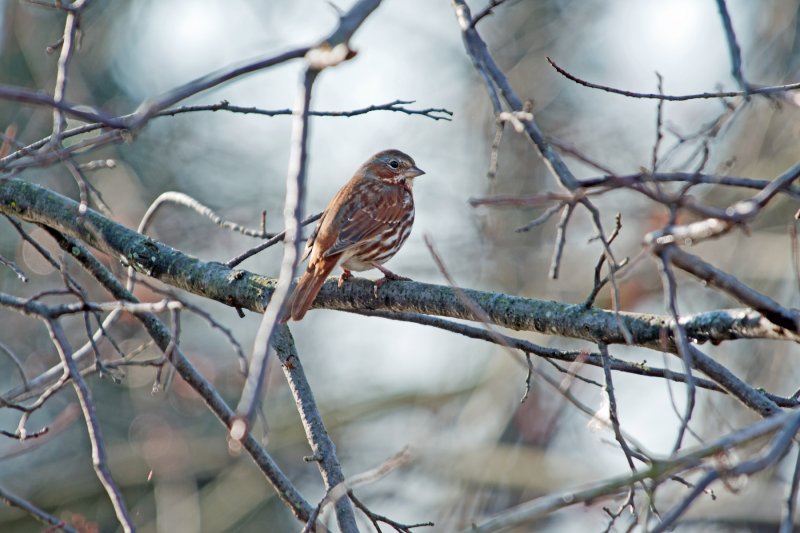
column 392, row 166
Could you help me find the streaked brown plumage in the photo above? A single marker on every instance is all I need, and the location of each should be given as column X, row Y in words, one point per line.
column 364, row 225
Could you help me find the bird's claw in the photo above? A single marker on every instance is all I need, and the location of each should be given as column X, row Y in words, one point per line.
column 344, row 277
column 391, row 276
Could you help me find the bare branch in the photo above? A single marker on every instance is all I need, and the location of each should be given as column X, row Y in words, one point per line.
column 13, row 267
column 779, row 447
column 779, row 315
column 397, row 106
column 692, row 178
column 786, row 423
column 17, row 363
column 162, row 337
column 38, row 514
column 484, row 63
column 292, row 213
column 679, row 332
column 790, row 505
column 613, row 413
column 541, row 219
column 322, row 447
column 92, row 425
column 67, row 49
column 561, row 240
column 753, row 89
column 348, row 24
column 570, row 356
column 278, row 237
column 733, row 46
column 488, row 10
column 239, row 288
column 753, row 398
column 39, row 98
column 185, row 200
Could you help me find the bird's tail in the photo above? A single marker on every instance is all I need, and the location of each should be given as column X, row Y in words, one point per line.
column 306, row 290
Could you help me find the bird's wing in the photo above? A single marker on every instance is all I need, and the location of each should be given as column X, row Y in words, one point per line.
column 361, row 221
column 313, row 236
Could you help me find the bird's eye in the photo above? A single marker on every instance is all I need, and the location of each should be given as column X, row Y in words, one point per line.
column 394, row 164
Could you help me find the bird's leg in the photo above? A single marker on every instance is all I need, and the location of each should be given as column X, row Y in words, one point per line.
column 387, row 276
column 346, row 274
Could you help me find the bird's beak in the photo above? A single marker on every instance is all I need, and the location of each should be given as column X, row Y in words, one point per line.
column 413, row 172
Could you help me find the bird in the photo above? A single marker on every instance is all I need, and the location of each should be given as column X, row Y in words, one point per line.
column 363, row 226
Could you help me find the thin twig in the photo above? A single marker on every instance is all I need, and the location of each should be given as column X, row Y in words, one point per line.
column 613, row 414
column 790, row 503
column 488, row 10
column 375, row 518
column 13, row 266
column 659, row 124
column 733, row 46
column 185, row 200
column 753, row 89
column 598, row 282
column 293, row 214
column 795, row 250
column 278, row 237
column 527, row 512
column 779, row 447
column 678, row 331
column 67, row 50
column 30, row 150
column 561, row 240
column 694, row 178
column 541, row 219
column 573, row 151
column 99, row 459
column 159, row 332
column 494, row 153
column 40, row 515
column 17, row 363
column 397, row 106
column 345, row 488
column 772, row 310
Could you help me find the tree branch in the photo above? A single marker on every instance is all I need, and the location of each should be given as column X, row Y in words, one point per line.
column 15, row 501
column 99, row 459
column 529, row 511
column 322, row 447
column 160, row 333
column 240, row 288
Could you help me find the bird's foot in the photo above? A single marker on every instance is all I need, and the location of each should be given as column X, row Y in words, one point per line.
column 346, row 274
column 388, row 275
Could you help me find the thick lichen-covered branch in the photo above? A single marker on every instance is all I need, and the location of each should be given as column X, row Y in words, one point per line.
column 246, row 290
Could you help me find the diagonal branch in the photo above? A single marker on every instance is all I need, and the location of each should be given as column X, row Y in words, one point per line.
column 733, row 46
column 55, row 523
column 322, row 447
column 293, row 214
column 348, row 24
column 99, row 459
column 779, row 315
column 160, row 333
column 527, row 512
column 484, row 63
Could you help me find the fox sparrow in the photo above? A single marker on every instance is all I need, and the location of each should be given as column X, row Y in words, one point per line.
column 364, row 225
